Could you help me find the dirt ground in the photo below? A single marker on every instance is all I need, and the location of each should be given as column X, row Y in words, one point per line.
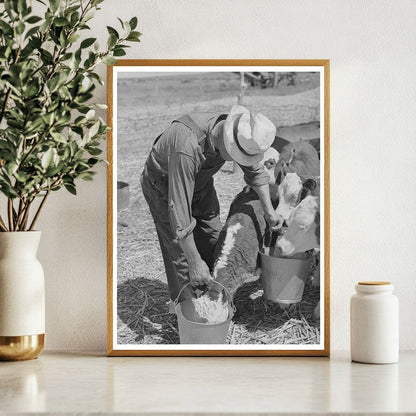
column 146, row 106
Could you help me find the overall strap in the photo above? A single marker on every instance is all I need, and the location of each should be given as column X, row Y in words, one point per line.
column 188, row 122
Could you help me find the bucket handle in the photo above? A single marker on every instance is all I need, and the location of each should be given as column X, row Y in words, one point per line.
column 272, row 235
column 176, row 301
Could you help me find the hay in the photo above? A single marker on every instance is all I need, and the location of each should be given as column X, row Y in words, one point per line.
column 143, row 313
column 144, row 316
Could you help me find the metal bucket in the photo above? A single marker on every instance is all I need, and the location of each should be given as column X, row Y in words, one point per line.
column 123, row 195
column 284, row 277
column 193, row 332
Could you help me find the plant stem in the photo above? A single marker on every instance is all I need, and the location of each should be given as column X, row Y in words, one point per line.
column 20, row 214
column 32, row 149
column 3, row 108
column 39, row 209
column 17, row 216
column 26, row 216
column 10, row 213
column 2, row 224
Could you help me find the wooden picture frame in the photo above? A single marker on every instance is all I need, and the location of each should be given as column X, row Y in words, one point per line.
column 132, row 330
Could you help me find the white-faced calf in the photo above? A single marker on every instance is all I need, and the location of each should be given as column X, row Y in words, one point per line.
column 302, row 233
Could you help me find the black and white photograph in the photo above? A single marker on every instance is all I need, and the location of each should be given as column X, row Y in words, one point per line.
column 218, row 223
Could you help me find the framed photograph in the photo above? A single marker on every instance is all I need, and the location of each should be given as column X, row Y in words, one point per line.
column 218, row 208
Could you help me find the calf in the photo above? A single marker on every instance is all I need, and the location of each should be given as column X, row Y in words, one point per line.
column 270, row 160
column 299, row 157
column 239, row 241
column 242, row 236
column 289, row 193
column 303, row 232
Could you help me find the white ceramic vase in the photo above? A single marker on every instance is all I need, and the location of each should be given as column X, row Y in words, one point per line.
column 22, row 296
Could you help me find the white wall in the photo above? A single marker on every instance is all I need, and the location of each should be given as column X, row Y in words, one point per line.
column 371, row 45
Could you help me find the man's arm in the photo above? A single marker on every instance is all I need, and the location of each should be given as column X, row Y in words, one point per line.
column 264, row 194
column 257, row 177
column 198, row 269
column 181, row 189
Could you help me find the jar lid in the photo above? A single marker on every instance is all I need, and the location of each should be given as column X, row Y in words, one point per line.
column 370, row 287
column 374, row 283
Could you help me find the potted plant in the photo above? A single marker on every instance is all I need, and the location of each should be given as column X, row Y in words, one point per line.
column 50, row 136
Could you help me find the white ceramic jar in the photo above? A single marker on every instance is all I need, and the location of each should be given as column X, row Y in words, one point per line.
column 374, row 323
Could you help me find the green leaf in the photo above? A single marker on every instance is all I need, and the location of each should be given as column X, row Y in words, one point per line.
column 20, row 28
column 11, row 168
column 90, row 14
column 70, row 188
column 26, row 11
column 133, row 38
column 10, row 8
column 33, row 19
column 58, row 137
column 73, row 38
column 47, row 158
column 94, row 151
column 87, row 42
column 67, row 56
column 78, row 154
column 119, row 52
column 48, row 118
column 90, row 115
column 133, row 23
column 134, row 35
column 121, row 22
column 35, row 125
column 53, row 83
column 92, row 161
column 112, row 40
column 86, row 176
column 74, row 18
column 21, row 177
column 21, row 5
column 111, row 30
column 67, row 153
column 94, row 129
column 16, row 124
column 5, row 28
column 54, row 4
column 61, row 21
column 31, row 90
column 110, row 60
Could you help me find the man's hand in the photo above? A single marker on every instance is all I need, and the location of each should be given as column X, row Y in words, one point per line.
column 198, row 272
column 198, row 269
column 274, row 220
column 269, row 213
column 214, row 291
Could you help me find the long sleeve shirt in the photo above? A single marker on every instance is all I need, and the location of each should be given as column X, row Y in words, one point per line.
column 186, row 164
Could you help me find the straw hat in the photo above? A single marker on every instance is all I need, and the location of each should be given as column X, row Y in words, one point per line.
column 247, row 135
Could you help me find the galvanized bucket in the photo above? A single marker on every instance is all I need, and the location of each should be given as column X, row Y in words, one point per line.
column 193, row 332
column 284, row 277
column 123, row 195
